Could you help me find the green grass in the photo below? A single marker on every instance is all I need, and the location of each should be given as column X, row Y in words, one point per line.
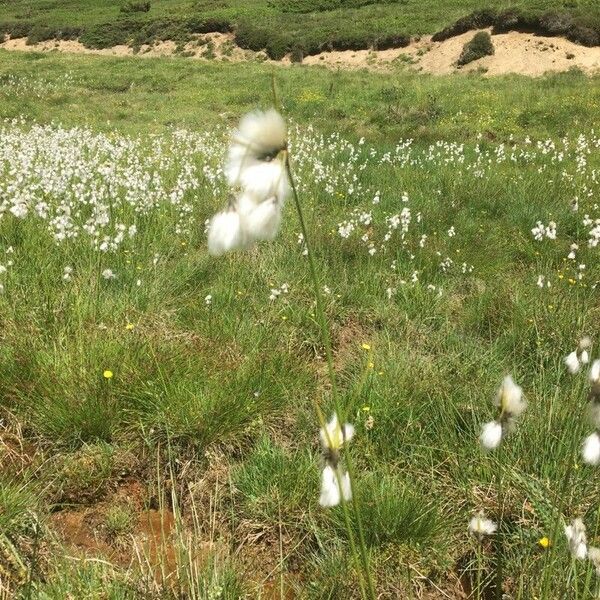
column 210, row 409
column 160, row 94
column 278, row 27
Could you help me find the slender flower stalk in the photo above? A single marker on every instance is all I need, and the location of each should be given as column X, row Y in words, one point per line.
column 326, row 338
column 587, row 451
column 259, row 171
column 511, row 404
column 590, row 451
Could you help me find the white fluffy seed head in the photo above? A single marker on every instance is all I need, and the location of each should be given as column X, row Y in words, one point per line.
column 595, row 371
column 491, row 435
column 333, row 436
column 332, row 490
column 225, row 233
column 265, row 179
column 572, row 362
column 590, row 451
column 576, row 536
column 479, row 525
column 254, row 161
column 510, row 398
column 260, row 133
column 260, row 220
column 594, row 556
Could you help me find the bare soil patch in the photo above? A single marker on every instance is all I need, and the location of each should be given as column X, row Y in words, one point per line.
column 515, row 52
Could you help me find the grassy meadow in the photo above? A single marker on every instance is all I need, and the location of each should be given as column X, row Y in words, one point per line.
column 158, row 436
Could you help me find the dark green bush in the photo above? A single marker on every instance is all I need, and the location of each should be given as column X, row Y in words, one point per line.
column 399, row 40
column 297, row 54
column 129, row 31
column 476, row 20
column 16, row 29
column 106, row 35
column 208, row 25
column 308, row 6
column 517, row 20
column 251, row 37
column 277, row 47
column 39, row 33
column 556, row 23
column 586, row 36
column 133, row 6
column 479, row 46
column 585, row 29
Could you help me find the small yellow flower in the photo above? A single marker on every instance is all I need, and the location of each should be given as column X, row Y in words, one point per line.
column 371, row 365
column 365, row 346
column 284, row 318
column 366, row 408
column 544, row 542
column 129, row 326
column 107, row 374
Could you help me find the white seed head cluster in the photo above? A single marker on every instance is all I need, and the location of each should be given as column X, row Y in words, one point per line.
column 480, row 526
column 511, row 403
column 256, row 168
column 577, row 539
column 335, row 482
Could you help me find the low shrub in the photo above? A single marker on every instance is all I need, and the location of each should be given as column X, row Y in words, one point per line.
column 208, row 25
column 39, row 33
column 297, row 54
column 583, row 30
column 556, row 23
column 517, row 20
column 476, row 20
column 308, row 6
column 586, row 36
column 479, row 46
column 106, row 35
column 15, row 29
column 134, row 6
column 251, row 37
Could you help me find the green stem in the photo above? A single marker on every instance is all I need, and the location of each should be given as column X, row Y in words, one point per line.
column 499, row 540
column 561, row 505
column 320, row 311
column 479, row 569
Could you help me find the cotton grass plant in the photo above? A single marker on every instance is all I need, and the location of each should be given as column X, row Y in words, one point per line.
column 259, row 170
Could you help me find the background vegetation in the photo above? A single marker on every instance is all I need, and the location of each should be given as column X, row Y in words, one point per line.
column 279, row 27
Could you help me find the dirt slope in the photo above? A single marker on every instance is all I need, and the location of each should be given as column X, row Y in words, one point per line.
column 522, row 53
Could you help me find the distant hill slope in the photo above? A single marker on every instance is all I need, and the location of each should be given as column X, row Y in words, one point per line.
column 281, row 26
